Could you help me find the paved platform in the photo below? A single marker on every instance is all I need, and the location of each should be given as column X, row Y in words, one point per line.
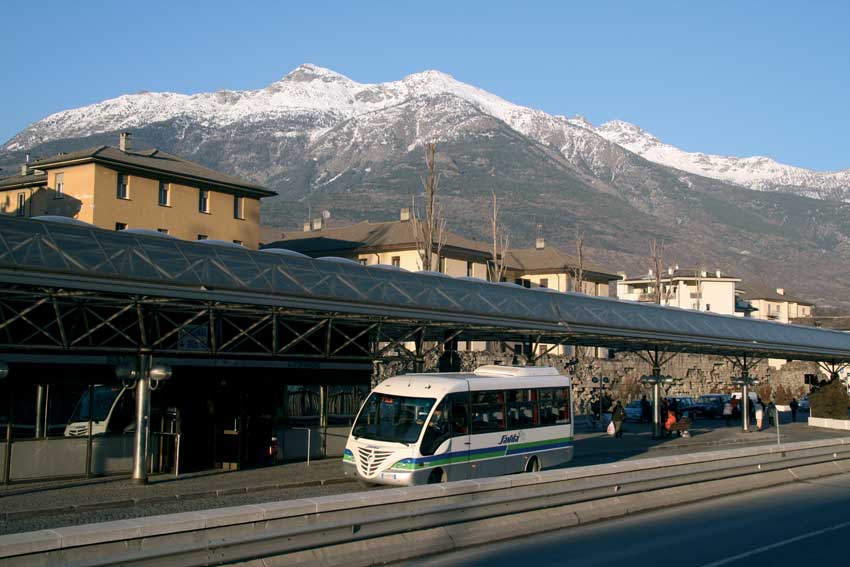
column 25, row 507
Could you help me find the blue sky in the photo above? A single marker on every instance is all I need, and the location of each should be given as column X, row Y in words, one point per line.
column 729, row 77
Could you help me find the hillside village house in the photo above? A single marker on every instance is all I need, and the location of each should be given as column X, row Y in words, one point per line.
column 696, row 289
column 774, row 304
column 119, row 188
column 394, row 243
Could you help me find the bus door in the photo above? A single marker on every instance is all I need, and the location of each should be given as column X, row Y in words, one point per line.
column 459, row 446
column 446, row 439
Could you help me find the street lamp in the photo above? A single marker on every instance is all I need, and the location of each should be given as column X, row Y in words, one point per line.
column 655, row 380
column 746, row 381
column 600, row 382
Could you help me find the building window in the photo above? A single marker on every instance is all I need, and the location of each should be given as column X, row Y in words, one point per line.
column 364, row 261
column 469, row 269
column 239, row 242
column 203, row 200
column 162, row 230
column 544, row 282
column 123, row 189
column 60, row 185
column 164, row 194
column 238, row 207
column 396, row 261
column 202, row 237
column 120, row 226
column 22, row 205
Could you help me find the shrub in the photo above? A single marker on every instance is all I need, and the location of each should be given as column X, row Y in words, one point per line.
column 830, row 401
column 782, row 397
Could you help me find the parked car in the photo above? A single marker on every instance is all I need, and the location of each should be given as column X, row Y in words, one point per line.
column 710, row 406
column 686, row 405
column 633, row 411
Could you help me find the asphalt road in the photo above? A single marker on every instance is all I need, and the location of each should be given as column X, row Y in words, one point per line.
column 803, row 523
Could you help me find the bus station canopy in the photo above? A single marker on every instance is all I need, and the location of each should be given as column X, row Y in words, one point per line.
column 74, row 256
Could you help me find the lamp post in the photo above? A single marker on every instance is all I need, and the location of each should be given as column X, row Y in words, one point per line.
column 745, row 381
column 655, row 380
column 600, row 382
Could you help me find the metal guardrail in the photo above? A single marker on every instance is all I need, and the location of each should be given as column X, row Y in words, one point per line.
column 243, row 533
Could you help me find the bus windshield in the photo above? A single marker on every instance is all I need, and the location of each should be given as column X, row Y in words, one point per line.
column 103, row 397
column 396, row 419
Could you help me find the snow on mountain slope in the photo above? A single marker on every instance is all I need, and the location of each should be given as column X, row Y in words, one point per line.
column 760, row 173
column 311, row 101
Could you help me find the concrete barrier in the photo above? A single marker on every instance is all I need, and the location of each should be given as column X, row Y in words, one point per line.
column 362, row 528
column 842, row 424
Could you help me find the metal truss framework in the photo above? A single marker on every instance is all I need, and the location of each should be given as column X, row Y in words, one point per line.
column 82, row 289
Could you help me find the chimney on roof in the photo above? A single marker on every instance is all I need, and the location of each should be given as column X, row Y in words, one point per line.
column 622, row 275
column 317, row 223
column 780, row 290
column 25, row 169
column 650, row 272
column 540, row 243
column 124, row 142
column 670, row 271
column 719, row 275
column 404, row 214
column 306, row 226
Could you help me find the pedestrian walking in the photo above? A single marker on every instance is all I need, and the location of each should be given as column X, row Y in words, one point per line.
column 759, row 411
column 794, row 407
column 727, row 412
column 618, row 415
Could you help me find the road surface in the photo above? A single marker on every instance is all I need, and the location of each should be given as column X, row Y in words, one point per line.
column 804, row 523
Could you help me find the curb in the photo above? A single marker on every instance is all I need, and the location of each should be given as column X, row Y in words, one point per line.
column 148, row 500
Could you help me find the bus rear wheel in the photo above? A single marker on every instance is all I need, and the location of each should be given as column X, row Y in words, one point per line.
column 533, row 465
column 437, row 476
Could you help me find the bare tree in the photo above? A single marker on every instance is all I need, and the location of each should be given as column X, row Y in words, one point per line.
column 576, row 272
column 660, row 295
column 501, row 244
column 430, row 231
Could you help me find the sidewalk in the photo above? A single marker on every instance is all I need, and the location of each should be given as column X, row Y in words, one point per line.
column 591, row 447
column 80, row 495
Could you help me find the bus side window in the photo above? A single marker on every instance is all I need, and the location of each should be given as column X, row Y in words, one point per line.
column 438, row 429
column 554, row 406
column 488, row 412
column 562, row 402
column 548, row 410
column 459, row 414
column 522, row 410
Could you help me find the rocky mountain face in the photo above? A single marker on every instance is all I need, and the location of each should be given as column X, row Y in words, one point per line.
column 324, row 141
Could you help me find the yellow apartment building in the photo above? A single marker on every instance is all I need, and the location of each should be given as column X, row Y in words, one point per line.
column 119, row 188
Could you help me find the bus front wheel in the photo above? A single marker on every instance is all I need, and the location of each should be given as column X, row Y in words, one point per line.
column 437, row 476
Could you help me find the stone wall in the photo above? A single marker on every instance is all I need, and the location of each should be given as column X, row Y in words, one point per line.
column 695, row 374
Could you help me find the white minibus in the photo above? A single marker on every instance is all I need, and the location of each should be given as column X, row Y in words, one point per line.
column 429, row 428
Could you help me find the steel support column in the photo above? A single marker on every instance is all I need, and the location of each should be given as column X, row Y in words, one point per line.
column 40, row 411
column 143, row 414
column 656, row 400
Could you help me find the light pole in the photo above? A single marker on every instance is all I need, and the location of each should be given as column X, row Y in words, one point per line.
column 745, row 380
column 600, row 386
column 655, row 380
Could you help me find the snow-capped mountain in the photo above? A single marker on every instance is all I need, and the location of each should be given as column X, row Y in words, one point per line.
column 759, row 173
column 311, row 100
